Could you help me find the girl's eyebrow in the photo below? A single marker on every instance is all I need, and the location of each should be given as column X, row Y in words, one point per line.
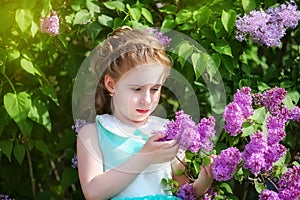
column 136, row 85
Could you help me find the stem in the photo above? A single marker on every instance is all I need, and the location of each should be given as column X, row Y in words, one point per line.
column 272, row 182
column 181, row 161
column 185, row 171
column 30, row 170
column 10, row 83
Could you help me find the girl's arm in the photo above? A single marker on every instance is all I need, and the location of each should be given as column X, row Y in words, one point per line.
column 204, row 181
column 97, row 184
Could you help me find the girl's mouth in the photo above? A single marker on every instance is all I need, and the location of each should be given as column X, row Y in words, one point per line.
column 142, row 111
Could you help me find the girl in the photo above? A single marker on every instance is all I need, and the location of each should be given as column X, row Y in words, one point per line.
column 118, row 157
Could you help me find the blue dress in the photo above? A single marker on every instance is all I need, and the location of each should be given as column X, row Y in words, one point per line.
column 118, row 142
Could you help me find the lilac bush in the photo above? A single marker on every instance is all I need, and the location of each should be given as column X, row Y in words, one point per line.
column 260, row 151
column 268, row 27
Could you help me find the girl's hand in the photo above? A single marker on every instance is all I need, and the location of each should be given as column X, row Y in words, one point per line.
column 155, row 151
column 204, row 180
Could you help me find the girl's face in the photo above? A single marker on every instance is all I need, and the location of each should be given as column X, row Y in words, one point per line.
column 137, row 93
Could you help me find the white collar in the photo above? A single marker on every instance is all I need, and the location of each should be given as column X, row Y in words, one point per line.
column 114, row 125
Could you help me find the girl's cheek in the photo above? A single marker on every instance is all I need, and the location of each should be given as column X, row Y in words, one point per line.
column 133, row 99
column 156, row 98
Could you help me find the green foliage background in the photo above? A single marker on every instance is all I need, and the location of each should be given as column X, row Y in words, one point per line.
column 37, row 73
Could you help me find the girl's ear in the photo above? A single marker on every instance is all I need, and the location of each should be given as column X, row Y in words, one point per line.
column 109, row 83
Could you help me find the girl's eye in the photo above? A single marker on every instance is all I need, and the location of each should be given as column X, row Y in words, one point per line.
column 155, row 89
column 136, row 89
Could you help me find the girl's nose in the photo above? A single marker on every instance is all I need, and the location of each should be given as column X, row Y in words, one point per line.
column 146, row 98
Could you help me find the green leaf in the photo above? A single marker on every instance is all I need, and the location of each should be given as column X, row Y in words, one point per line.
column 247, row 129
column 92, row 29
column 69, row 177
column 229, row 63
column 105, row 20
column 17, row 105
column 93, row 6
column 25, row 127
column 202, row 16
column 294, row 94
column 135, row 13
column 199, row 61
column 262, row 86
column 259, row 187
column 259, row 115
column 287, row 84
column 296, row 163
column 34, row 28
column 19, row 152
column 228, row 20
column 183, row 16
column 114, row 5
column 147, row 14
column 49, row 91
column 39, row 113
column 248, row 5
column 41, row 146
column 6, row 146
column 226, row 187
column 216, row 59
column 185, row 50
column 288, row 102
column 219, row 29
column 27, row 65
column 196, row 166
column 239, row 175
column 82, row 17
column 13, row 54
column 164, row 182
column 223, row 47
column 23, row 18
column 206, row 161
column 118, row 22
column 168, row 24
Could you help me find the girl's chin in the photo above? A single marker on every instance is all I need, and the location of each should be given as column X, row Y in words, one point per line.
column 140, row 120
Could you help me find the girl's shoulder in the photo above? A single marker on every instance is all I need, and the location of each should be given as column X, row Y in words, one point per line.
column 88, row 137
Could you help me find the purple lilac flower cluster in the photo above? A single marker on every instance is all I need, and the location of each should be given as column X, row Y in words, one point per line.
column 259, row 156
column 268, row 27
column 289, row 187
column 226, row 164
column 237, row 111
column 186, row 192
column 79, row 123
column 50, row 24
column 191, row 136
column 165, row 40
